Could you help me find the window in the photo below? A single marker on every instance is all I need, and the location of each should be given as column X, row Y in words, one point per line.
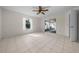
column 26, row 23
column 50, row 25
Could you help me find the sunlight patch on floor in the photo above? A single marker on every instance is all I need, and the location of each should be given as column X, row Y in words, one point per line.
column 35, row 35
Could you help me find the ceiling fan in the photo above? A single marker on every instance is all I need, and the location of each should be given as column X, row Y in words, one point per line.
column 40, row 10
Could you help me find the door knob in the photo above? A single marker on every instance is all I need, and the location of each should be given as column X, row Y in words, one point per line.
column 71, row 26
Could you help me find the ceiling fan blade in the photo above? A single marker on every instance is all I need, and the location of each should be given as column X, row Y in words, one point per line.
column 35, row 10
column 38, row 13
column 43, row 13
column 45, row 10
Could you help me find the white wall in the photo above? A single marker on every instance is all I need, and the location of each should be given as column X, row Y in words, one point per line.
column 38, row 25
column 12, row 24
column 67, row 23
column 60, row 23
column 0, row 23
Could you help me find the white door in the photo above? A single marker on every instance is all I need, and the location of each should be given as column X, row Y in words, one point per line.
column 73, row 26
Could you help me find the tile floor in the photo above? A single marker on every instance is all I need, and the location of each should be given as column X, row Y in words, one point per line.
column 38, row 43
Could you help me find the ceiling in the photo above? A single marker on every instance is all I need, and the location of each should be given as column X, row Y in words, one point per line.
column 27, row 10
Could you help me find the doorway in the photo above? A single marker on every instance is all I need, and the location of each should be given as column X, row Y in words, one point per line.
column 73, row 25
